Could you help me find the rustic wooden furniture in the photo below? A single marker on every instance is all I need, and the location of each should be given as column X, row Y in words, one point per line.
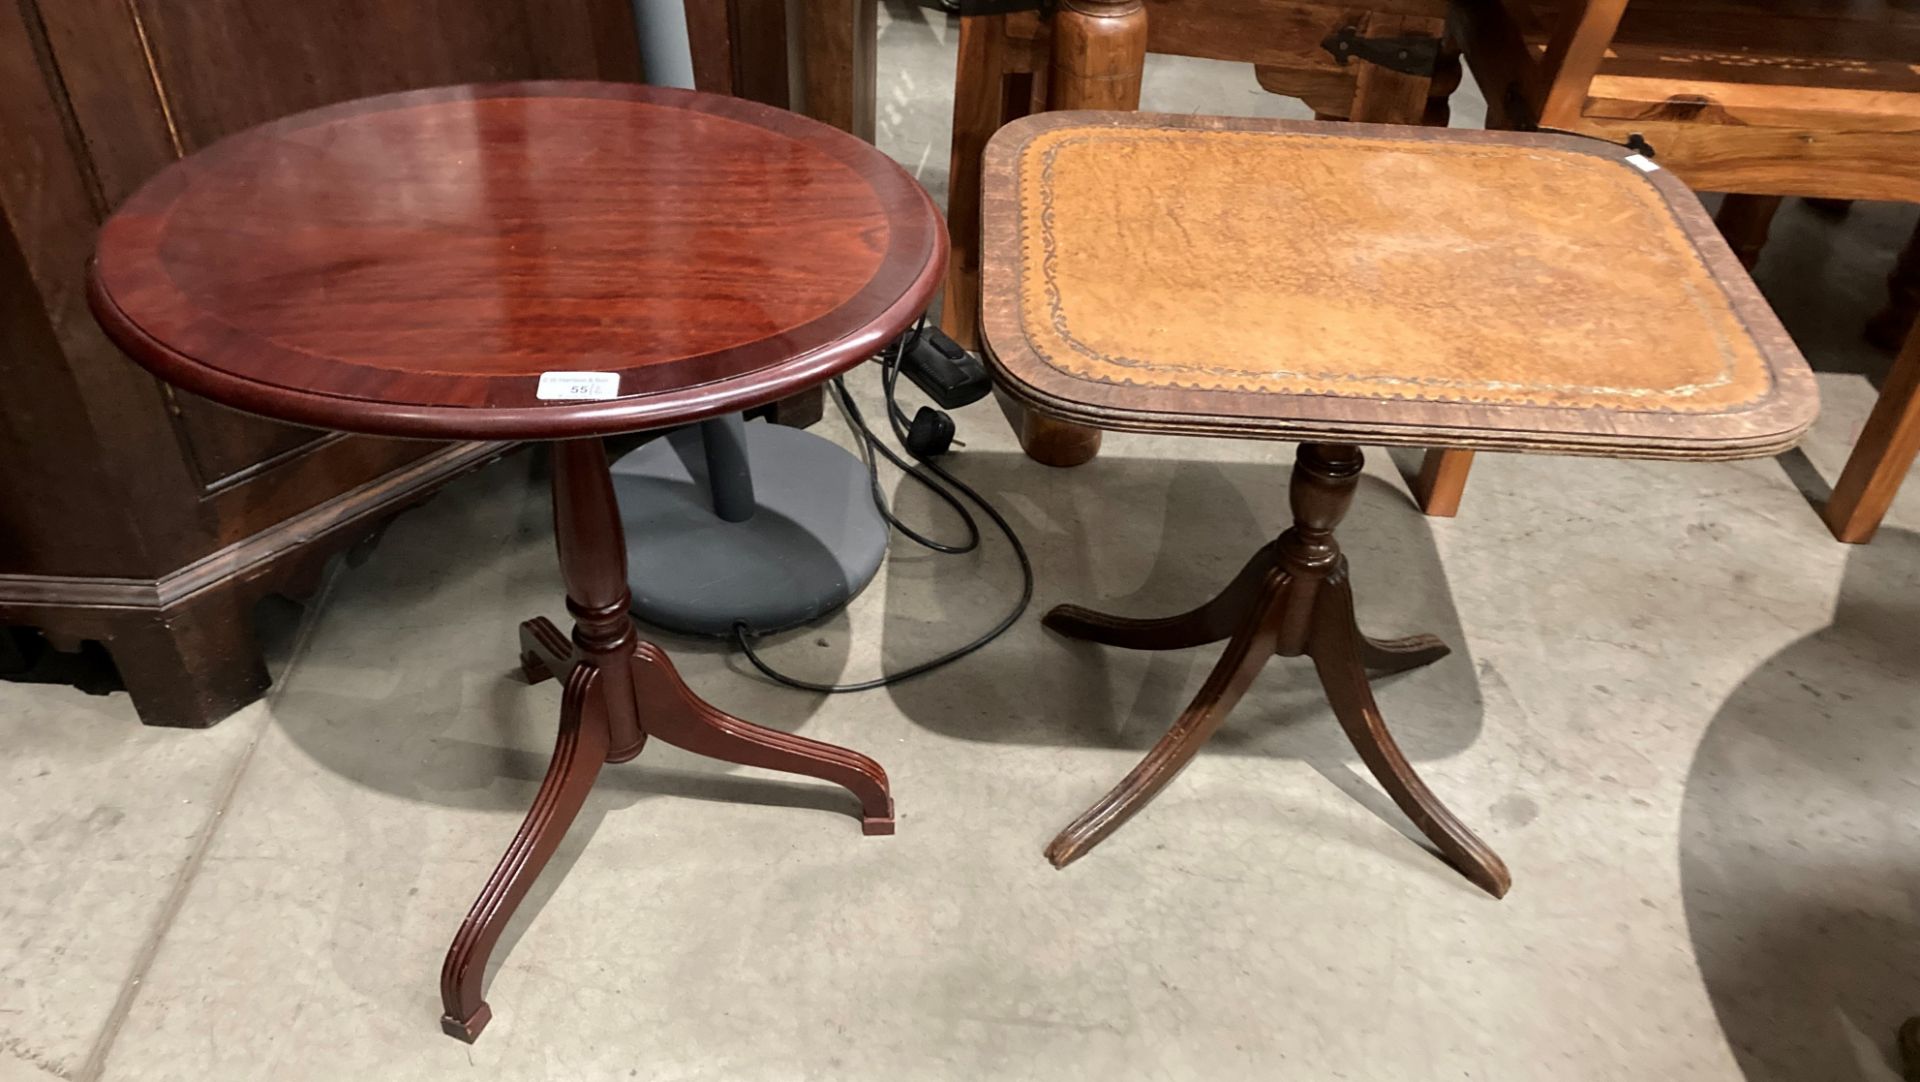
column 1385, row 62
column 139, row 515
column 1401, row 286
column 427, row 264
column 1890, row 326
column 820, row 62
column 1794, row 97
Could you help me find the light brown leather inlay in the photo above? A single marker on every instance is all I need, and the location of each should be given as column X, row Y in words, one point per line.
column 1369, row 267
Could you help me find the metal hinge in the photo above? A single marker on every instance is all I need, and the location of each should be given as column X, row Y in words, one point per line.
column 1520, row 117
column 1410, row 54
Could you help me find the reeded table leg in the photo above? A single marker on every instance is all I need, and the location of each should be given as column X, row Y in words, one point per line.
column 1247, row 653
column 1293, row 598
column 1211, row 622
column 1389, row 656
column 576, row 763
column 611, row 677
column 1334, row 643
column 679, row 717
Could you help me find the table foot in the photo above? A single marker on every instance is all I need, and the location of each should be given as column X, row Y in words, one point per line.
column 545, row 650
column 681, row 718
column 1389, row 656
column 1211, row 622
column 469, row 1029
column 1246, row 655
column 577, row 755
column 1292, row 599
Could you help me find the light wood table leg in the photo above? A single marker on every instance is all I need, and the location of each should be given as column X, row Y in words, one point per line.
column 1882, row 456
column 1442, row 480
column 1099, row 56
column 979, row 106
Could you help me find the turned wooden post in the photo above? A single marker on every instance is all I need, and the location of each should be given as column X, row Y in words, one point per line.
column 593, row 561
column 1324, row 478
column 1099, row 55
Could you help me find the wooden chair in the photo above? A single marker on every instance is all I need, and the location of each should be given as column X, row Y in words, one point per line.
column 1791, row 97
column 1387, row 65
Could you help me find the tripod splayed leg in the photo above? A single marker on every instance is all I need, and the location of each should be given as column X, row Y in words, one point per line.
column 1292, row 599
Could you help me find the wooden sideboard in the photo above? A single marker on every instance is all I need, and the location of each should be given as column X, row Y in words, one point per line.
column 148, row 519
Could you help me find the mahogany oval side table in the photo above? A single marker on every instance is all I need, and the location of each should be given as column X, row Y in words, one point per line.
column 543, row 261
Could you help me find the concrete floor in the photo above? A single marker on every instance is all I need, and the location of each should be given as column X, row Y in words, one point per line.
column 1681, row 712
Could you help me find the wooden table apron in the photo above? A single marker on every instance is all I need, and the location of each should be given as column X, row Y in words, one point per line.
column 529, row 219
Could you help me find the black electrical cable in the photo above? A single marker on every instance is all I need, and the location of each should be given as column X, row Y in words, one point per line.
column 871, row 443
column 928, row 472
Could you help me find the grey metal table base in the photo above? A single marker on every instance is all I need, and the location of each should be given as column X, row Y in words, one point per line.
column 758, row 523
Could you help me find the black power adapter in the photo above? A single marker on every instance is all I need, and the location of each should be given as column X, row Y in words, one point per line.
column 948, row 374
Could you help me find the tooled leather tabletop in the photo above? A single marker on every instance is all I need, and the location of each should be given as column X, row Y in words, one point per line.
column 1383, row 285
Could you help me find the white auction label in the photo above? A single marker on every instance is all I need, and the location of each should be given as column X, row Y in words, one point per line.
column 1641, row 162
column 578, row 386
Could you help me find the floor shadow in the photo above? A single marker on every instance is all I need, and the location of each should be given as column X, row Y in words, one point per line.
column 412, row 686
column 1805, row 476
column 1153, row 536
column 1800, row 853
column 409, row 684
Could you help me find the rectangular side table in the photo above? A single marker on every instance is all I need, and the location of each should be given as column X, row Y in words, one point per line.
column 1340, row 284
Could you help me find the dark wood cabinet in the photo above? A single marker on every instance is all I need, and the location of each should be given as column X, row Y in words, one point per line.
column 141, row 517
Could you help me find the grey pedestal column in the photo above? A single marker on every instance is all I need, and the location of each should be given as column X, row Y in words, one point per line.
column 752, row 522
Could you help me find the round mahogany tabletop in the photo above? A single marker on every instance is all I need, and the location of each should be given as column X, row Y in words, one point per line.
column 413, row 264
